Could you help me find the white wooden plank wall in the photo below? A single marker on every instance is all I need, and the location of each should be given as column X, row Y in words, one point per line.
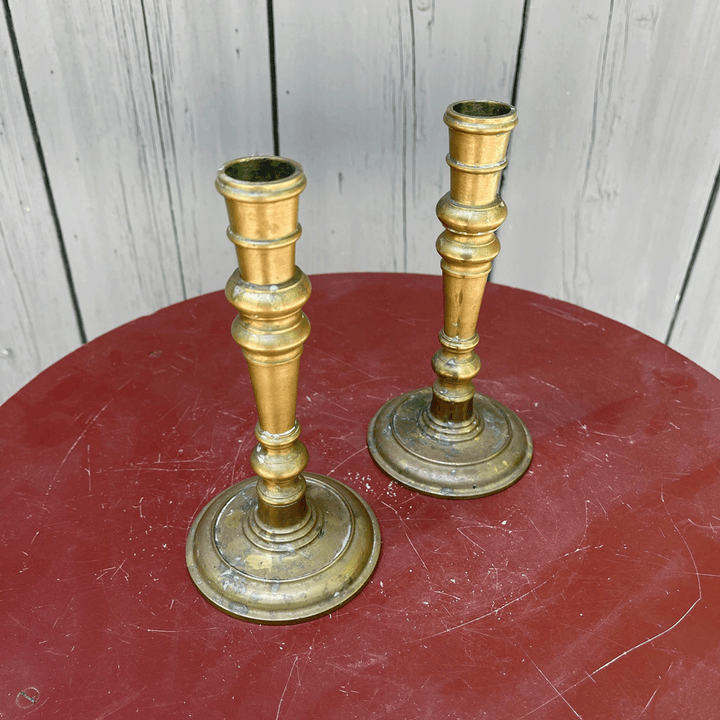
column 615, row 160
column 611, row 188
column 88, row 72
column 361, row 95
column 696, row 331
column 37, row 320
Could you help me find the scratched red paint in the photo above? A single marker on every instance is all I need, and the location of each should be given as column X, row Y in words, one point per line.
column 589, row 589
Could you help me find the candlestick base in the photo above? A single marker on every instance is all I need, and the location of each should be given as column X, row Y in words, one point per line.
column 289, row 575
column 479, row 457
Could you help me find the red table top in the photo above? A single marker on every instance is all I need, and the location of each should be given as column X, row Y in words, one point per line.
column 589, row 589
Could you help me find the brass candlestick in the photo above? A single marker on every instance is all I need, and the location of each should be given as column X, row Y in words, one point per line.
column 283, row 546
column 449, row 440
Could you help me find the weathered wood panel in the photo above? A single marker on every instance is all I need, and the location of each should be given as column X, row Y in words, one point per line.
column 136, row 107
column 212, row 80
column 89, row 75
column 37, row 320
column 611, row 166
column 361, row 94
column 696, row 332
column 615, row 155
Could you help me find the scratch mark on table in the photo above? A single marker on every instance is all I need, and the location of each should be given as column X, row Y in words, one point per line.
column 405, row 530
column 594, row 457
column 565, row 315
column 62, row 617
column 647, row 704
column 494, row 611
column 88, row 471
column 117, row 568
column 650, row 639
column 699, row 409
column 593, row 634
column 89, row 424
column 120, row 704
column 349, row 457
column 537, row 528
column 684, row 615
column 554, row 387
column 612, row 435
column 500, row 526
column 332, row 402
column 18, row 623
column 371, row 379
column 182, row 417
column 470, row 540
column 412, row 544
column 336, row 359
column 287, row 682
column 547, row 679
column 642, row 712
column 344, row 691
column 710, row 526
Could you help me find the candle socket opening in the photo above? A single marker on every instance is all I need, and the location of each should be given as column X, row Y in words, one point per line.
column 482, row 108
column 260, row 170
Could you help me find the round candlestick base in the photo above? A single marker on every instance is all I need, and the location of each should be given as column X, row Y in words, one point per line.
column 454, row 460
column 280, row 576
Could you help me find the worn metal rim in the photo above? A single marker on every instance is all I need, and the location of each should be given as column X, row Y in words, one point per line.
column 262, row 597
column 463, row 468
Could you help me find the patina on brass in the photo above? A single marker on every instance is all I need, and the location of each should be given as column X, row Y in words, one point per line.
column 448, row 440
column 283, row 546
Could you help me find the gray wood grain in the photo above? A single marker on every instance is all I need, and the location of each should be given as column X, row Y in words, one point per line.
column 212, row 84
column 37, row 320
column 361, row 94
column 89, row 75
column 617, row 148
column 137, row 105
column 696, row 332
column 611, row 166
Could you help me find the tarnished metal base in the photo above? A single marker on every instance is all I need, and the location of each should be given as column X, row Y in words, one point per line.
column 479, row 457
column 267, row 575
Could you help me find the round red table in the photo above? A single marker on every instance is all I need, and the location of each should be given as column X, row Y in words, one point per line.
column 590, row 589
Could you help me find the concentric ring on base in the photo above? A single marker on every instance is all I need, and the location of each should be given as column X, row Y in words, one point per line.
column 465, row 465
column 304, row 575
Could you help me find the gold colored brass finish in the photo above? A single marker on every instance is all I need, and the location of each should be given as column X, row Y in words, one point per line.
column 448, row 440
column 284, row 546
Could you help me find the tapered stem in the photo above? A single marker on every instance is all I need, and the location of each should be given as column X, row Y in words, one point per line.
column 470, row 212
column 268, row 290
